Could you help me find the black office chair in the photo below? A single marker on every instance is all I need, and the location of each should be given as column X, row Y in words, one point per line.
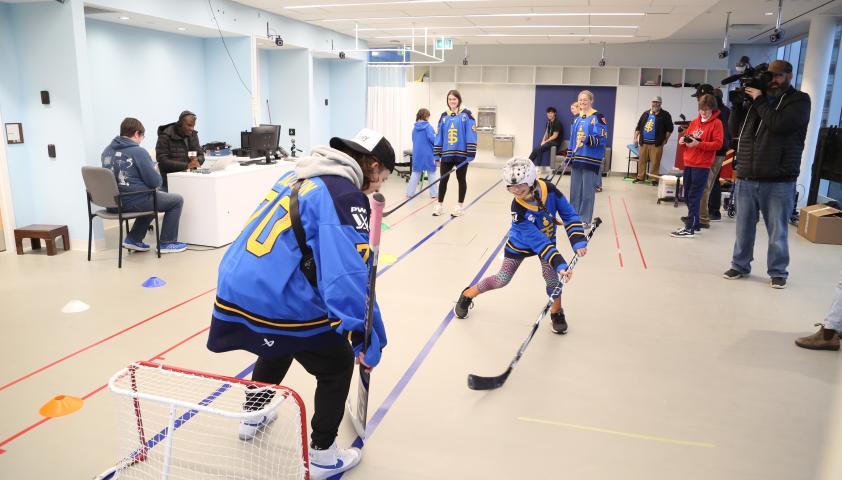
column 406, row 165
column 101, row 189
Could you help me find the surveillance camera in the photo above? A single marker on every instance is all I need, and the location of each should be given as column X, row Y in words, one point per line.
column 601, row 62
column 342, row 55
column 465, row 61
column 279, row 41
column 723, row 54
column 776, row 36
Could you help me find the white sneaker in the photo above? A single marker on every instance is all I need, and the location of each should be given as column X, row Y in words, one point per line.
column 457, row 211
column 250, row 427
column 437, row 210
column 327, row 463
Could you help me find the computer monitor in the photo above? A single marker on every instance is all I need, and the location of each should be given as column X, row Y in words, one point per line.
column 263, row 141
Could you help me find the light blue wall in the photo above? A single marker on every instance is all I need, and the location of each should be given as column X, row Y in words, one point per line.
column 46, row 190
column 227, row 102
column 159, row 75
column 152, row 83
column 289, row 91
column 321, row 119
column 263, row 76
column 10, row 109
column 348, row 97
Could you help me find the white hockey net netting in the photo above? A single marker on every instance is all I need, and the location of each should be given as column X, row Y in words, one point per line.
column 179, row 424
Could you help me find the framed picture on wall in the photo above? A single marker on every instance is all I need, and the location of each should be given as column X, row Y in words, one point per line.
column 14, row 133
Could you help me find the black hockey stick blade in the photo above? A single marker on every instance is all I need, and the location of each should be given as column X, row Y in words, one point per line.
column 476, row 382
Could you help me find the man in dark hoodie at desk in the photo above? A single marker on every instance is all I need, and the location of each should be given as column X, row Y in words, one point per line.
column 178, row 148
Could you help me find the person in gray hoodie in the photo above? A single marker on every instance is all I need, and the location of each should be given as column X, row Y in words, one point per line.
column 135, row 172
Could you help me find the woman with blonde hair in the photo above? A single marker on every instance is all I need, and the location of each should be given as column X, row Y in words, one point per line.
column 587, row 152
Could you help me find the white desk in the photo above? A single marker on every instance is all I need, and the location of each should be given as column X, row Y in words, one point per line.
column 217, row 204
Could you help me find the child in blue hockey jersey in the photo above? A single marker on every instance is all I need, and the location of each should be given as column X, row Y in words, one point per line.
column 267, row 304
column 588, row 138
column 423, row 139
column 533, row 232
column 456, row 141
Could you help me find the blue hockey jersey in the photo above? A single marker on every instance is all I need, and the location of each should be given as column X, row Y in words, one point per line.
column 533, row 231
column 456, row 138
column 588, row 138
column 264, row 300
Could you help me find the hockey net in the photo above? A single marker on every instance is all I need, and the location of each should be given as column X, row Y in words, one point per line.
column 181, row 424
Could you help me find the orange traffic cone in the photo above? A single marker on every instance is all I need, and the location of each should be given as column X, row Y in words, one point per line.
column 61, row 405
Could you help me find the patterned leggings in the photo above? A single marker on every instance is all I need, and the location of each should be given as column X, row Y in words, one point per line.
column 507, row 271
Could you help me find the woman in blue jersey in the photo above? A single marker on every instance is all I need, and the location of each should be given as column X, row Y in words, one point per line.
column 271, row 304
column 456, row 141
column 533, row 232
column 587, row 152
column 423, row 139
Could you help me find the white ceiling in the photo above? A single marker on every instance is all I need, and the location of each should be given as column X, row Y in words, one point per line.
column 383, row 22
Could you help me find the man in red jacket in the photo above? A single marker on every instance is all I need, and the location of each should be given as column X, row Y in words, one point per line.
column 702, row 138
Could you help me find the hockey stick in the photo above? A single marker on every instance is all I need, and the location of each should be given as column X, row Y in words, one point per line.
column 360, row 417
column 476, row 382
column 567, row 162
column 386, row 214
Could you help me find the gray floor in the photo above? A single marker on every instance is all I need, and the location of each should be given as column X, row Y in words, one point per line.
column 668, row 371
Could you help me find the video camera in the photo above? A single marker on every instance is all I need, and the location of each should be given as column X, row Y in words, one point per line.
column 758, row 77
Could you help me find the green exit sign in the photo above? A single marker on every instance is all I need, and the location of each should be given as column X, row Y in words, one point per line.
column 444, row 43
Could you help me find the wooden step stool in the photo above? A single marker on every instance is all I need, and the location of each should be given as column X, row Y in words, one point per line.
column 36, row 233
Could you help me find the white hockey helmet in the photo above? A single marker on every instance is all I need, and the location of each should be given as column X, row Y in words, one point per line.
column 519, row 170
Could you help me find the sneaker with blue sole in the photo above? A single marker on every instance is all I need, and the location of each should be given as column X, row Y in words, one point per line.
column 332, row 461
column 173, row 247
column 136, row 246
column 249, row 428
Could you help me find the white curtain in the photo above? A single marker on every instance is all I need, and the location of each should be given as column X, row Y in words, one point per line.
column 387, row 109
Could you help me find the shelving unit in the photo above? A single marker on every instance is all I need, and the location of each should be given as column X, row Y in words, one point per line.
column 565, row 75
column 548, row 75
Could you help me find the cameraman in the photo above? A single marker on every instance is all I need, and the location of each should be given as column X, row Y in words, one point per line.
column 770, row 126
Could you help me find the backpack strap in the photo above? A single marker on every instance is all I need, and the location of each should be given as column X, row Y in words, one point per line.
column 308, row 263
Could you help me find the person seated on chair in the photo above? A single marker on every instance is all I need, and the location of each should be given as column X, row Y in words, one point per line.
column 178, row 148
column 135, row 171
column 552, row 138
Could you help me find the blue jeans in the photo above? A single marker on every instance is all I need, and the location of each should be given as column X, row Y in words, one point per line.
column 168, row 203
column 582, row 193
column 695, row 180
column 834, row 316
column 432, row 175
column 775, row 200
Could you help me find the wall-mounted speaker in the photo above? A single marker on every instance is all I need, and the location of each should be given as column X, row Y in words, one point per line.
column 45, row 97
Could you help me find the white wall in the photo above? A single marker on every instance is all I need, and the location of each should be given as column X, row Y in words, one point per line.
column 515, row 108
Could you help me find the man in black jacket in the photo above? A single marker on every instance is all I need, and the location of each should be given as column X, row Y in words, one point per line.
column 652, row 132
column 770, row 127
column 178, row 148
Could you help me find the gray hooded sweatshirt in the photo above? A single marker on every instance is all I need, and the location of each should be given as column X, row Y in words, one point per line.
column 324, row 160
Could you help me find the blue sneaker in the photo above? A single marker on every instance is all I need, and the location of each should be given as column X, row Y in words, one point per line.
column 173, row 247
column 136, row 246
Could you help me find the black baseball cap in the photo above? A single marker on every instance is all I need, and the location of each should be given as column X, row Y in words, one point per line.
column 368, row 142
column 703, row 89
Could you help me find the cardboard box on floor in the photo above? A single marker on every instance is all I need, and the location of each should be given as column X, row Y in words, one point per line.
column 821, row 224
